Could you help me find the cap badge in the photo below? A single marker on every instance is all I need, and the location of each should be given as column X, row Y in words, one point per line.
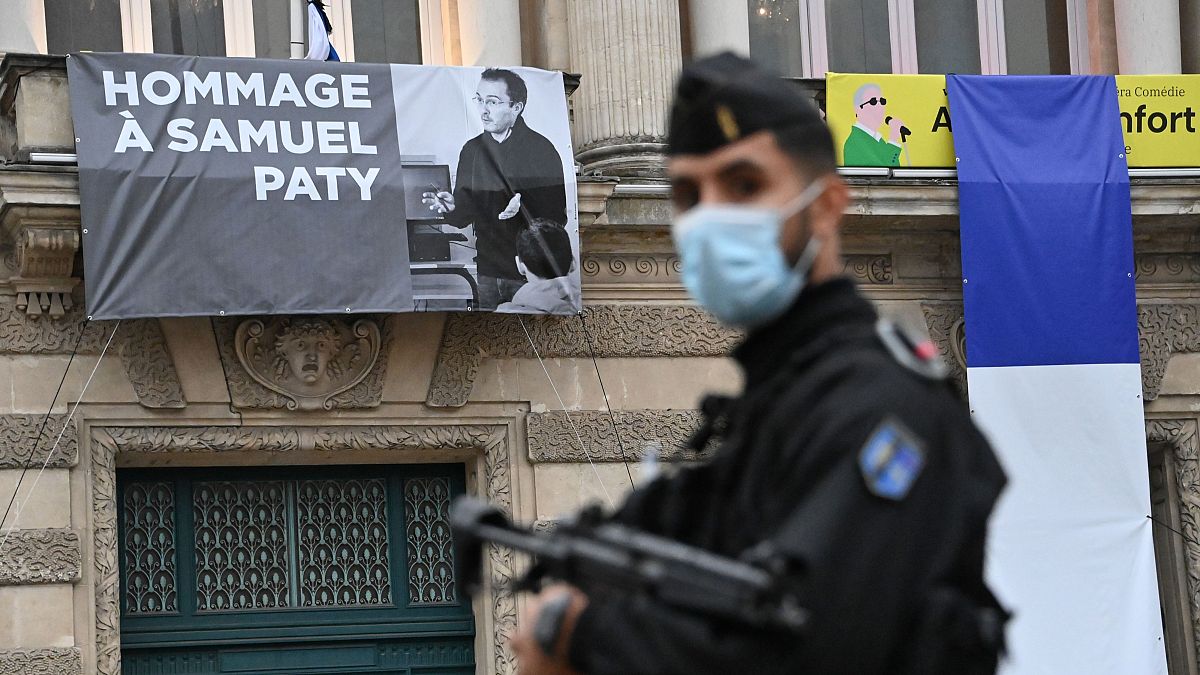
column 728, row 123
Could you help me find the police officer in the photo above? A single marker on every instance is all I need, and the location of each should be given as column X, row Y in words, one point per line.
column 847, row 463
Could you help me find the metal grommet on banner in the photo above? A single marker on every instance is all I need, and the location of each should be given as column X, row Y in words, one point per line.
column 347, row 310
column 85, row 230
column 221, row 312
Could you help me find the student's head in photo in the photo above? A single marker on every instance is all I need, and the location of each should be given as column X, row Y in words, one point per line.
column 500, row 99
column 544, row 250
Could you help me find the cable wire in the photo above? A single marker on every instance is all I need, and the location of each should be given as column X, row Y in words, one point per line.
column 1156, row 521
column 566, row 412
column 45, row 421
column 58, row 440
column 611, row 417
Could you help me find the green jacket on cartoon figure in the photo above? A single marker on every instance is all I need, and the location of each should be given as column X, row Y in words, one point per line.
column 863, row 149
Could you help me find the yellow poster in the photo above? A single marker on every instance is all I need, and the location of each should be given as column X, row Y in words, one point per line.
column 1159, row 118
column 904, row 120
column 889, row 120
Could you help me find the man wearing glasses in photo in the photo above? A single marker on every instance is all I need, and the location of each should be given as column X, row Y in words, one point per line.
column 507, row 176
column 865, row 146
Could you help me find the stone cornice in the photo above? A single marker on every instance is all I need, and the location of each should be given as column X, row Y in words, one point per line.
column 934, row 197
column 40, row 557
column 50, row 661
column 555, row 436
column 39, row 187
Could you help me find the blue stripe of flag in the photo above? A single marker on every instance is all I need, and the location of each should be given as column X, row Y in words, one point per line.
column 1045, row 220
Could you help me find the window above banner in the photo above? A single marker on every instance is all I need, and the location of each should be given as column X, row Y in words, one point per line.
column 806, row 38
column 367, row 31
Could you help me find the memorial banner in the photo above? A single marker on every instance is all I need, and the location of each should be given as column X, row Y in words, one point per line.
column 905, row 121
column 217, row 186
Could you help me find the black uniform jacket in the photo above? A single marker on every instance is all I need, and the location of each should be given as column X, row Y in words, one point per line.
column 871, row 570
column 489, row 174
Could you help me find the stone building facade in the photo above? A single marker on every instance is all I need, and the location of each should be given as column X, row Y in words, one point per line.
column 514, row 410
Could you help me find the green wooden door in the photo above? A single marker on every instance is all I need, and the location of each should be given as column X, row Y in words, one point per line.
column 291, row 571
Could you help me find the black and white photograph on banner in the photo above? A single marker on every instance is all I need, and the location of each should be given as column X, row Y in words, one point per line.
column 402, row 188
column 489, row 189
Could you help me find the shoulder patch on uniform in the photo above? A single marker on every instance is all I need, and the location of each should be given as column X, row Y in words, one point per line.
column 891, row 460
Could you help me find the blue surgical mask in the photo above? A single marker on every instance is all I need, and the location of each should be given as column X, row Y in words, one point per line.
column 732, row 263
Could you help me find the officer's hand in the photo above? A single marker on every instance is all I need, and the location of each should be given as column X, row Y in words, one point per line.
column 514, row 206
column 442, row 202
column 534, row 661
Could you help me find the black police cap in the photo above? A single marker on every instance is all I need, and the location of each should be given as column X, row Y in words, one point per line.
column 723, row 98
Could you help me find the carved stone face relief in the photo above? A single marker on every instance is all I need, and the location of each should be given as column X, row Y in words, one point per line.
column 309, row 360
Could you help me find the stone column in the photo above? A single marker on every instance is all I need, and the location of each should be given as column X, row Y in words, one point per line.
column 628, row 54
column 719, row 25
column 1102, row 38
column 544, row 34
column 1189, row 22
column 490, row 32
column 1148, row 36
column 23, row 29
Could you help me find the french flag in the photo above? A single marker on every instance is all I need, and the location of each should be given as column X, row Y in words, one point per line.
column 1052, row 369
column 319, row 28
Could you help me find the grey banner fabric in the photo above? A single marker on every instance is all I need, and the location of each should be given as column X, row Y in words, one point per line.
column 219, row 186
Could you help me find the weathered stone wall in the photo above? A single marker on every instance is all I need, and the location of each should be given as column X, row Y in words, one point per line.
column 520, row 401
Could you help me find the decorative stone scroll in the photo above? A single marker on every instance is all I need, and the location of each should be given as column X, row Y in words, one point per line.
column 1181, row 435
column 45, row 255
column 948, row 331
column 1165, row 329
column 556, row 436
column 627, row 268
column 869, row 268
column 19, row 435
column 865, row 268
column 304, row 363
column 1167, row 267
column 491, row 441
column 148, row 364
column 615, row 330
column 50, row 661
column 40, row 557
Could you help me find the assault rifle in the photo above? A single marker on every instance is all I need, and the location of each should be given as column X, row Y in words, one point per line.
column 594, row 555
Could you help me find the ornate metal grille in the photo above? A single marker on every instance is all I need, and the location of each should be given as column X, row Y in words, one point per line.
column 241, row 545
column 149, row 519
column 430, row 554
column 343, row 542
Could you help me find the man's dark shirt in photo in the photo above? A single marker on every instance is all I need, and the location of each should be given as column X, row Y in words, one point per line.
column 489, row 174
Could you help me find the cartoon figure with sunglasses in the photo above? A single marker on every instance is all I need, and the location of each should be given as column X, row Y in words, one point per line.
column 866, row 146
